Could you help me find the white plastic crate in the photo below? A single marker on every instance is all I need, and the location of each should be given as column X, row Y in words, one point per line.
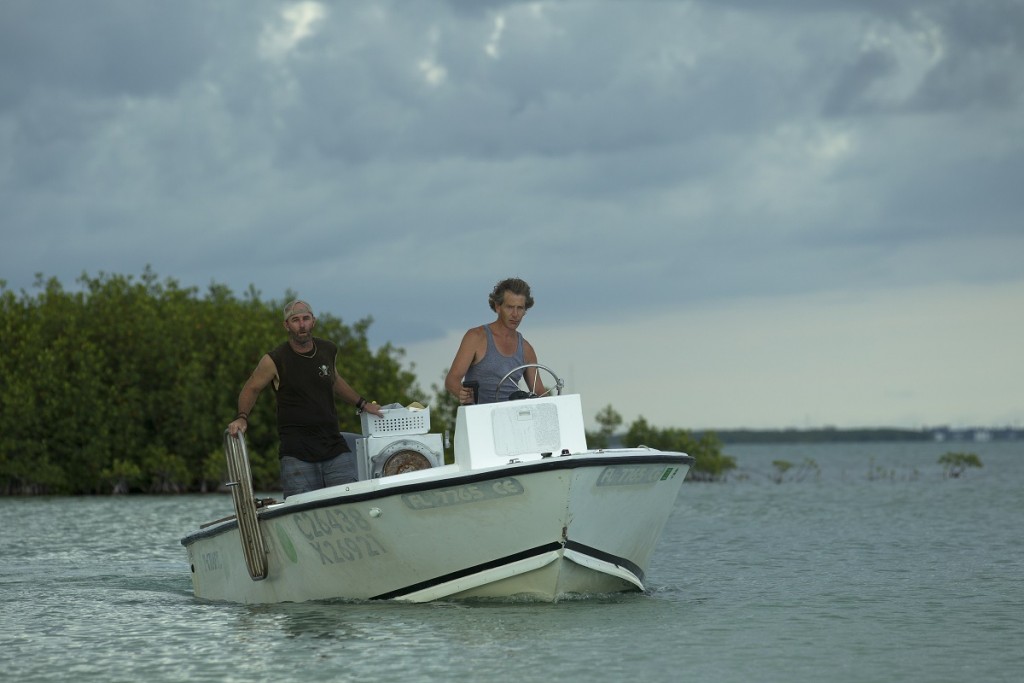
column 396, row 421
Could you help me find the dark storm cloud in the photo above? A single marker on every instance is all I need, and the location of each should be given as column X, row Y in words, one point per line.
column 635, row 156
column 101, row 50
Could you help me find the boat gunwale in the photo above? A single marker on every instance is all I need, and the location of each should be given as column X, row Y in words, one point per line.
column 563, row 462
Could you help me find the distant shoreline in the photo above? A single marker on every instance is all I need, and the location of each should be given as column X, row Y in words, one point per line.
column 869, row 434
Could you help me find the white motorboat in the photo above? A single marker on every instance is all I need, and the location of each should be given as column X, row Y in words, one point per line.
column 526, row 510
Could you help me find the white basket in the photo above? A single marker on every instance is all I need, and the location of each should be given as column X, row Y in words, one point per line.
column 396, row 421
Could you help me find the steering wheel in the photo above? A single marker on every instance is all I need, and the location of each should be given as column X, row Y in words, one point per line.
column 519, row 393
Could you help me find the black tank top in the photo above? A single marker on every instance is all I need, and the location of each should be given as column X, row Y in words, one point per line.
column 307, row 416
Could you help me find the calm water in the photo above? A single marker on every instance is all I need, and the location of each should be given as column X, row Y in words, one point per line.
column 877, row 569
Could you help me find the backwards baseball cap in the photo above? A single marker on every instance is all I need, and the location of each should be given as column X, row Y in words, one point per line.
column 297, row 306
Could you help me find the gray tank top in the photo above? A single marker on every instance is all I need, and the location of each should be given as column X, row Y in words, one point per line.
column 492, row 367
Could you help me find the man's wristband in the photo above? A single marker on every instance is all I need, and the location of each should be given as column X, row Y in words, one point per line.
column 242, row 416
column 360, row 403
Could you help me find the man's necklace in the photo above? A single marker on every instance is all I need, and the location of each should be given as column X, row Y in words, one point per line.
column 310, row 354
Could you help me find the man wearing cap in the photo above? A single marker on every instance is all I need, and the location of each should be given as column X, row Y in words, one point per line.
column 314, row 454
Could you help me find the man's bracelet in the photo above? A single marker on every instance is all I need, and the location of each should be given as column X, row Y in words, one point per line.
column 360, row 403
column 242, row 416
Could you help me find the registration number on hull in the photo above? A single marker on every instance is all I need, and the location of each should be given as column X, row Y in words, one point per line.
column 467, row 493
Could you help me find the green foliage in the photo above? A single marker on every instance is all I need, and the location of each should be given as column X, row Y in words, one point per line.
column 121, row 476
column 609, row 421
column 781, row 467
column 784, row 470
column 711, row 464
column 956, row 464
column 442, row 413
column 128, row 384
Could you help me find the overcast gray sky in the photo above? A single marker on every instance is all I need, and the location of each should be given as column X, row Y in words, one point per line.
column 733, row 213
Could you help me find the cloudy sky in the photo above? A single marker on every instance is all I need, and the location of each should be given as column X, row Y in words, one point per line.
column 733, row 213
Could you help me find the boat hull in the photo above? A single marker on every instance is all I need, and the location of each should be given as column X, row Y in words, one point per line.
column 585, row 523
